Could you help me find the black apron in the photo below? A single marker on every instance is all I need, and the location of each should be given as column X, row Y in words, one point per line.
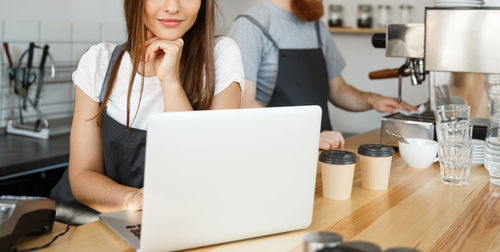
column 124, row 155
column 302, row 76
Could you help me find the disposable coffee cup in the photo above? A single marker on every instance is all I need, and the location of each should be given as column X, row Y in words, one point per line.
column 337, row 172
column 375, row 163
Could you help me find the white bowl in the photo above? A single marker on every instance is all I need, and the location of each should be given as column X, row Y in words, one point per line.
column 419, row 153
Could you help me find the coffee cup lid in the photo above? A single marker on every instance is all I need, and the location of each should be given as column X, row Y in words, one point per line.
column 376, row 150
column 337, row 157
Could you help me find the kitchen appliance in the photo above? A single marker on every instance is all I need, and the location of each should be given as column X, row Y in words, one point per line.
column 21, row 78
column 452, row 47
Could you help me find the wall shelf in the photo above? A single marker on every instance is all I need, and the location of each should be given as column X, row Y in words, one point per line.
column 350, row 30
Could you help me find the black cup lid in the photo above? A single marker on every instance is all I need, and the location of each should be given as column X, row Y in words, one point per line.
column 376, row 150
column 337, row 157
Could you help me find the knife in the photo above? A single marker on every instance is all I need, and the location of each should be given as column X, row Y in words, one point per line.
column 11, row 70
column 7, row 51
column 28, row 80
column 41, row 74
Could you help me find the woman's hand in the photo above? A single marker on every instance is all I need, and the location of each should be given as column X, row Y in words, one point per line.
column 133, row 200
column 166, row 56
column 330, row 140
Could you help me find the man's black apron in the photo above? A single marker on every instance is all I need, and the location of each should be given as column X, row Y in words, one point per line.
column 302, row 76
column 124, row 155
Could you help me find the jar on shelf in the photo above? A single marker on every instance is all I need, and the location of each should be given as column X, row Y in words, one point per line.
column 336, row 15
column 365, row 16
column 384, row 16
column 405, row 11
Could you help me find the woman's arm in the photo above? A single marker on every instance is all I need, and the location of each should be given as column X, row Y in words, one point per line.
column 230, row 98
column 88, row 182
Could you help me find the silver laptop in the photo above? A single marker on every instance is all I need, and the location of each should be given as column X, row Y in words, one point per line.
column 218, row 176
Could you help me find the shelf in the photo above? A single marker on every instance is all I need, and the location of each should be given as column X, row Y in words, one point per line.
column 355, row 30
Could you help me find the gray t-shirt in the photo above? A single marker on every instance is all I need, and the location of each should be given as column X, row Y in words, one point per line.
column 260, row 57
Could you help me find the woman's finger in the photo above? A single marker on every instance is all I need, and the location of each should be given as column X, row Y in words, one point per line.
column 150, row 41
column 152, row 49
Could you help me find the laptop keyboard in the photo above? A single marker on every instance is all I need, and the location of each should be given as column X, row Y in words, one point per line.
column 135, row 229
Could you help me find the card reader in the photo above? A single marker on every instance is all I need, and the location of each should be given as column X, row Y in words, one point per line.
column 22, row 215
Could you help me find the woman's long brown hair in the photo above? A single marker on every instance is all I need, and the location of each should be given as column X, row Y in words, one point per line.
column 197, row 63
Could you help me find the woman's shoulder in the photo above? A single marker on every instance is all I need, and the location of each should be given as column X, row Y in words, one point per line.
column 228, row 64
column 101, row 51
column 226, row 46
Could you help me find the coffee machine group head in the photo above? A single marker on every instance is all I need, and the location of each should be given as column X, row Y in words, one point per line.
column 402, row 41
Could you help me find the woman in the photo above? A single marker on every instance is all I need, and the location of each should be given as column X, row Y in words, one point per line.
column 170, row 62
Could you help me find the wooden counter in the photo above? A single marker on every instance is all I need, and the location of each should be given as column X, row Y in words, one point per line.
column 417, row 211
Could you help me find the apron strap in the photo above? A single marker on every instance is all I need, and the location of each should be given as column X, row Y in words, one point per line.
column 318, row 35
column 114, row 57
column 261, row 27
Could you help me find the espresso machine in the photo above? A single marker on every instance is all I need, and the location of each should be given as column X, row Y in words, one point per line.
column 452, row 50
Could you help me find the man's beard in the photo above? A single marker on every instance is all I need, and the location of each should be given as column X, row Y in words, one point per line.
column 307, row 10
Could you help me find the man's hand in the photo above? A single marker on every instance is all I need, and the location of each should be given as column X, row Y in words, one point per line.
column 389, row 105
column 351, row 99
column 329, row 140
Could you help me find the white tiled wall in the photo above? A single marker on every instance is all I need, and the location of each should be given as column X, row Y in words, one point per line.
column 68, row 41
column 86, row 32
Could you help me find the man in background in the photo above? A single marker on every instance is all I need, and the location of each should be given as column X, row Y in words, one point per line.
column 290, row 59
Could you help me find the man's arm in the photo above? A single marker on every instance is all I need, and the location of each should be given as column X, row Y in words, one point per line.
column 249, row 96
column 349, row 98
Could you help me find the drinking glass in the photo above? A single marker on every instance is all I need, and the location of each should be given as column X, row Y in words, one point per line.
column 454, row 133
column 492, row 156
column 455, row 152
column 452, row 113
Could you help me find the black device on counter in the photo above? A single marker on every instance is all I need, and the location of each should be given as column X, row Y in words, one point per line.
column 22, row 215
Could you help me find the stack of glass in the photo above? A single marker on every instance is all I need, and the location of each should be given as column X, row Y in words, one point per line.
column 492, row 156
column 492, row 82
column 454, row 132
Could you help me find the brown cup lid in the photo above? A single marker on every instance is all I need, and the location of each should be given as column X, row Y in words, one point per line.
column 376, row 150
column 337, row 157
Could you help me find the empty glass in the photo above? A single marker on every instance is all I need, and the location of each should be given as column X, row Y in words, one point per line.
column 405, row 17
column 492, row 156
column 492, row 82
column 454, row 133
column 455, row 152
column 384, row 16
column 452, row 113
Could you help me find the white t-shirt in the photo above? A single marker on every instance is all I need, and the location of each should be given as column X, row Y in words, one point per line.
column 91, row 71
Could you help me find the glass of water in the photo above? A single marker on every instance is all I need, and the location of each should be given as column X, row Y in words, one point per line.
column 454, row 133
column 492, row 156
